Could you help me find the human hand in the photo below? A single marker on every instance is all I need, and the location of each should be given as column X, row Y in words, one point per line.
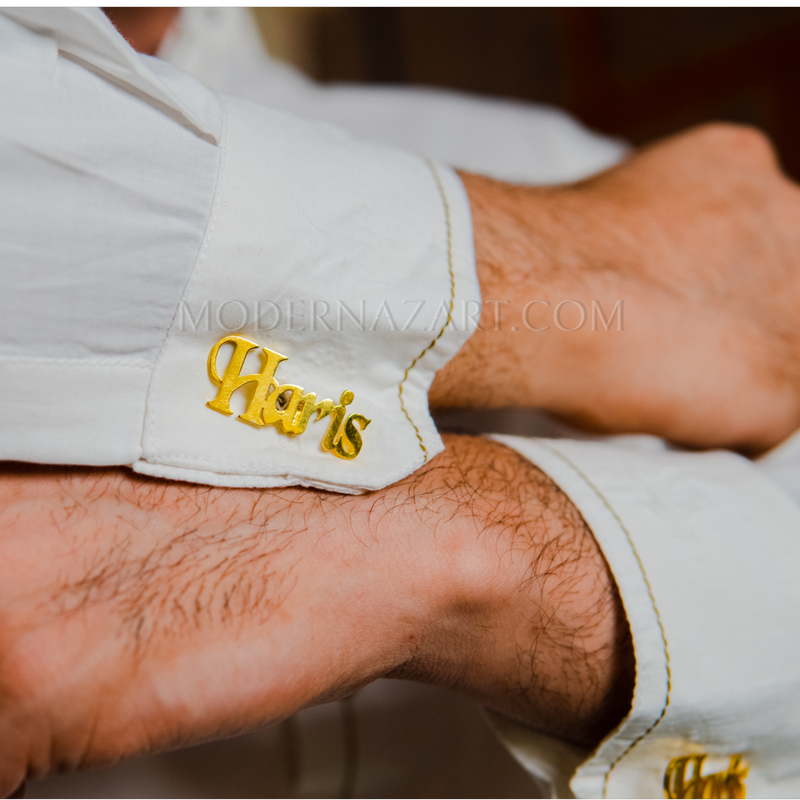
column 138, row 615
column 699, row 236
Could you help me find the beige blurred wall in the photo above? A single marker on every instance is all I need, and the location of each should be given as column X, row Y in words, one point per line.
column 289, row 33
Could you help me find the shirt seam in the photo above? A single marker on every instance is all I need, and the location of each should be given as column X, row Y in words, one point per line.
column 447, row 321
column 628, row 536
column 150, row 409
column 256, row 467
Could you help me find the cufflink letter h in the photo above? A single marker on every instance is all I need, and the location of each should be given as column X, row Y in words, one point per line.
column 285, row 405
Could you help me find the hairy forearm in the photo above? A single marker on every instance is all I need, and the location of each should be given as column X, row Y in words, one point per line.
column 139, row 614
column 658, row 297
column 540, row 633
column 560, row 323
column 523, row 252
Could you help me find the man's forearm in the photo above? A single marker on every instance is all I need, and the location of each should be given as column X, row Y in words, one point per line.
column 138, row 615
column 658, row 297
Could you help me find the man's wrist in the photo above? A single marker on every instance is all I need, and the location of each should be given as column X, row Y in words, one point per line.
column 527, row 265
column 529, row 619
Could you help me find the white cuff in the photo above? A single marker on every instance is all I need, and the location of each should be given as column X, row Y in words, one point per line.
column 705, row 554
column 319, row 248
column 352, row 260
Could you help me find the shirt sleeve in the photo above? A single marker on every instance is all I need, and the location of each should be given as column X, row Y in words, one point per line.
column 705, row 553
column 207, row 289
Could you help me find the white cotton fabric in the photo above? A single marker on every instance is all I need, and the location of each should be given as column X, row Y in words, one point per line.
column 321, row 219
column 705, row 554
column 104, row 201
column 133, row 197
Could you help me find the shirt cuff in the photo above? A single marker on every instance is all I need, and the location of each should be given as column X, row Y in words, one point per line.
column 705, row 552
column 348, row 268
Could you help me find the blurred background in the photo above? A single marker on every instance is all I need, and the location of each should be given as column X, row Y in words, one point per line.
column 635, row 72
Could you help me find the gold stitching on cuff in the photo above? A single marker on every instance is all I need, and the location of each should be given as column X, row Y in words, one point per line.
column 652, row 601
column 439, row 335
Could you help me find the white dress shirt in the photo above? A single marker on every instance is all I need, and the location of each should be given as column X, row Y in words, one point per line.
column 145, row 218
column 137, row 203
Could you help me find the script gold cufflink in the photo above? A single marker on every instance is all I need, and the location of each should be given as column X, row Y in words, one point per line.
column 684, row 778
column 285, row 405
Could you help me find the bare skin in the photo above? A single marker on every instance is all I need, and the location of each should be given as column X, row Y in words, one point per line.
column 143, row 615
column 144, row 28
column 699, row 236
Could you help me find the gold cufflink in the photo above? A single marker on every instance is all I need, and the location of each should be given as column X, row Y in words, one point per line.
column 684, row 778
column 285, row 405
